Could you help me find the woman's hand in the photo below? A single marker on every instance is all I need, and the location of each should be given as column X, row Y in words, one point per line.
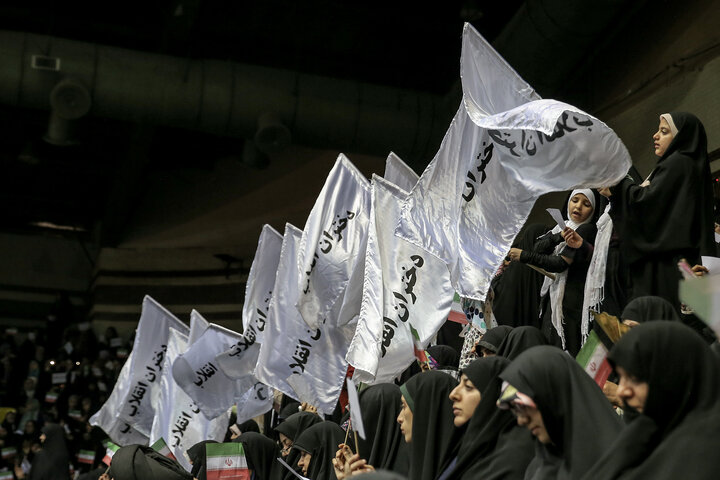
column 699, row 270
column 306, row 407
column 646, row 183
column 339, row 462
column 514, row 254
column 610, row 391
column 605, row 192
column 356, row 465
column 572, row 238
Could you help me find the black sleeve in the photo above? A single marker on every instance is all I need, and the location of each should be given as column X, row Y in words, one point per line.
column 588, row 232
column 550, row 263
column 547, row 243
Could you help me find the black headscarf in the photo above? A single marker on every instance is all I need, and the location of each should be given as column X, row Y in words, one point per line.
column 674, row 213
column 261, row 454
column 577, row 416
column 494, row 445
column 519, row 340
column 676, row 434
column 384, row 446
column 136, row 462
column 648, row 308
column 198, row 457
column 52, row 461
column 249, row 426
column 289, row 409
column 446, row 356
column 293, row 426
column 321, row 441
column 494, row 337
column 434, row 436
column 517, row 289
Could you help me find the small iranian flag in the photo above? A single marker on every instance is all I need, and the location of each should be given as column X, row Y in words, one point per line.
column 111, row 448
column 457, row 314
column 593, row 358
column 86, row 456
column 162, row 448
column 420, row 352
column 6, row 475
column 8, row 452
column 75, row 414
column 226, row 461
column 51, row 397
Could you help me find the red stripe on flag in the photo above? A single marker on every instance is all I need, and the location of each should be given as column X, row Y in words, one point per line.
column 603, row 372
column 458, row 317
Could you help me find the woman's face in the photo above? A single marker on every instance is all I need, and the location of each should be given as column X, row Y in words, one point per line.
column 579, row 208
column 632, row 391
column 465, row 398
column 662, row 138
column 286, row 444
column 531, row 418
column 304, row 462
column 405, row 419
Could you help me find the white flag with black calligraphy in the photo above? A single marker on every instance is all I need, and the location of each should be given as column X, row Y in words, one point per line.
column 303, row 363
column 198, row 374
column 258, row 400
column 404, row 285
column 332, row 239
column 260, row 282
column 399, row 173
column 198, row 325
column 136, row 409
column 178, row 420
column 504, row 149
column 121, row 433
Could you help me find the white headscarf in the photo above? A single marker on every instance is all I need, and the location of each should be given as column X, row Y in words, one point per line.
column 557, row 287
column 595, row 279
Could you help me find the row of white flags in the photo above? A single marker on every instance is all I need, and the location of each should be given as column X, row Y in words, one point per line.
column 373, row 273
column 179, row 383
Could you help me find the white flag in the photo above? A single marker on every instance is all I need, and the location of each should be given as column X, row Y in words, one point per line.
column 148, row 353
column 260, row 282
column 177, row 419
column 303, row 363
column 197, row 372
column 331, row 241
column 399, row 173
column 198, row 325
column 404, row 285
column 501, row 152
column 121, row 433
column 256, row 401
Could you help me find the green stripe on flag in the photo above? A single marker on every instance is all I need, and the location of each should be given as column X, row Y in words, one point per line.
column 224, row 449
column 587, row 351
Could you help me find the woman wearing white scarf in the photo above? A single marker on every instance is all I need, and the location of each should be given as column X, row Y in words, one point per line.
column 562, row 306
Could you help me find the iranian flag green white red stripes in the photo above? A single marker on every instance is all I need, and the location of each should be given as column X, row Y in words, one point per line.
column 226, row 461
column 6, row 475
column 8, row 452
column 86, row 456
column 420, row 352
column 457, row 314
column 110, row 449
column 593, row 358
column 162, row 448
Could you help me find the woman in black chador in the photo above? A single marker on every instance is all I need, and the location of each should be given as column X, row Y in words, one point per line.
column 668, row 216
column 562, row 320
column 669, row 385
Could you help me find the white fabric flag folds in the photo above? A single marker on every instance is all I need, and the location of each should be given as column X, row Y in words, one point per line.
column 121, row 433
column 399, row 173
column 260, row 282
column 504, row 149
column 133, row 407
column 404, row 285
column 178, row 420
column 256, row 401
column 304, row 363
column 198, row 374
column 331, row 241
